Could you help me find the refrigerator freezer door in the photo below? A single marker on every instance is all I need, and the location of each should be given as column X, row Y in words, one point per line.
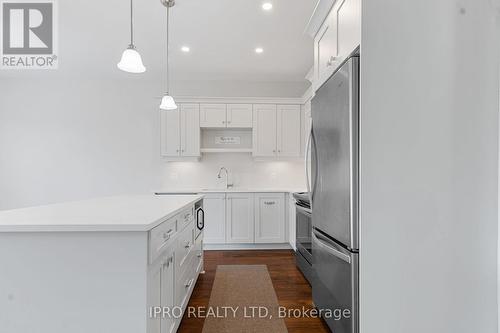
column 335, row 284
column 335, row 156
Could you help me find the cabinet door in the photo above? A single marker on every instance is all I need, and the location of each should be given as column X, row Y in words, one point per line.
column 348, row 25
column 167, row 292
column 288, row 130
column 214, row 205
column 269, row 218
column 154, row 296
column 190, row 130
column 170, row 133
column 213, row 115
column 239, row 115
column 264, row 130
column 239, row 218
column 325, row 50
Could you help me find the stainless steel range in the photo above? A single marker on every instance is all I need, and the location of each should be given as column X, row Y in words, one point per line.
column 303, row 255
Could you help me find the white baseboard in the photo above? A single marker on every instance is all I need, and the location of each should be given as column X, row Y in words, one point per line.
column 283, row 246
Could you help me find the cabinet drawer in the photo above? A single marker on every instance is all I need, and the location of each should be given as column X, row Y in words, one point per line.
column 160, row 237
column 198, row 253
column 184, row 284
column 184, row 218
column 184, row 248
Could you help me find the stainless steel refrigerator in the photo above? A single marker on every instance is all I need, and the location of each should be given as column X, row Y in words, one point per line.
column 334, row 193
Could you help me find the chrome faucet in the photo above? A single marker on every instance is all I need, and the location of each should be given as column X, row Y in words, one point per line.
column 228, row 185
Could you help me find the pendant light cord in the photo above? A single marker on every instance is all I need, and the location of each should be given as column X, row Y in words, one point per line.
column 168, row 31
column 131, row 23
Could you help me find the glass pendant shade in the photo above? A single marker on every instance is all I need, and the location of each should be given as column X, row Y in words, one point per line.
column 131, row 61
column 168, row 103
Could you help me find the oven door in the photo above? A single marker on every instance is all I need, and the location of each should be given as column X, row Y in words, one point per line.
column 304, row 232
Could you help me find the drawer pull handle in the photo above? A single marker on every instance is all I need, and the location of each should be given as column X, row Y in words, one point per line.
column 166, row 235
column 189, row 283
column 269, row 202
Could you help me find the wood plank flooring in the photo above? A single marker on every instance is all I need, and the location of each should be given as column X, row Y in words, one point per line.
column 291, row 287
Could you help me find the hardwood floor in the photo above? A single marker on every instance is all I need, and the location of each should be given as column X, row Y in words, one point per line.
column 291, row 287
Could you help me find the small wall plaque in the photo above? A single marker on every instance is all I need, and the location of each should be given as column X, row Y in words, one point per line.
column 227, row 140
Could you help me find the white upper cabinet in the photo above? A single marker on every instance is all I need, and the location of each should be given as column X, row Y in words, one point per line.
column 180, row 131
column 336, row 39
column 264, row 130
column 170, row 133
column 269, row 218
column 239, row 218
column 226, row 115
column 276, row 130
column 239, row 115
column 288, row 130
column 190, row 130
column 212, row 115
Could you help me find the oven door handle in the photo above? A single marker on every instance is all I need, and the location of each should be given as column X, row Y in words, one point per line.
column 304, row 210
column 329, row 248
column 200, row 223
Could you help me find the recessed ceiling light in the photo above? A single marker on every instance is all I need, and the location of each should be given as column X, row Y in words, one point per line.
column 259, row 50
column 185, row 49
column 267, row 6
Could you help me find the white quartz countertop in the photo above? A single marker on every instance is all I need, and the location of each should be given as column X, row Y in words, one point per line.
column 231, row 189
column 122, row 213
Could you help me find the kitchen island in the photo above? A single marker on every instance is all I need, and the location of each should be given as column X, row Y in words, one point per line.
column 100, row 265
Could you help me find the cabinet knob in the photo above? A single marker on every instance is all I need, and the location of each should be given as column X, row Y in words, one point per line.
column 199, row 255
column 189, row 283
column 188, row 245
column 331, row 61
column 274, row 150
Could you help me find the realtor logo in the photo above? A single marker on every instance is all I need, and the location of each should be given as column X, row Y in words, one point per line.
column 29, row 34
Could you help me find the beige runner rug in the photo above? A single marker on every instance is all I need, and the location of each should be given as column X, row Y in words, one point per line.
column 243, row 300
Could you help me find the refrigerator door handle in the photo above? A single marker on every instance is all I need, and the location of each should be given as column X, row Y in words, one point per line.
column 316, row 167
column 306, row 158
column 330, row 249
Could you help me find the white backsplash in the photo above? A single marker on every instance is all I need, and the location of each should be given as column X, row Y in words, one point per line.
column 243, row 172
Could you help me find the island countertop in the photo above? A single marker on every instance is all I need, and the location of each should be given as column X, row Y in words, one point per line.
column 119, row 213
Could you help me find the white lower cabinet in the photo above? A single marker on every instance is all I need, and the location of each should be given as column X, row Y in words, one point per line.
column 239, row 218
column 174, row 270
column 214, row 205
column 244, row 218
column 270, row 218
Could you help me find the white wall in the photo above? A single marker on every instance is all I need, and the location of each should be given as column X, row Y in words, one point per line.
column 243, row 171
column 429, row 170
column 87, row 129
column 70, row 138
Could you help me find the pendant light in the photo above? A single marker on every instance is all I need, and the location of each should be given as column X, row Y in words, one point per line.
column 131, row 60
column 167, row 102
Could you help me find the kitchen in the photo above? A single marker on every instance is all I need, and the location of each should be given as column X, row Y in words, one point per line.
column 176, row 187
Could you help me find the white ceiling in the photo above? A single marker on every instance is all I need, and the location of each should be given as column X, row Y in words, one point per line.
column 222, row 35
